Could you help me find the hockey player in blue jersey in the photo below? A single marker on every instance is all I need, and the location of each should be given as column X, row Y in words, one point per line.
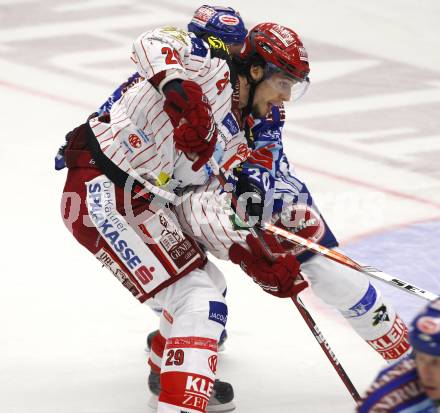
column 412, row 385
column 281, row 197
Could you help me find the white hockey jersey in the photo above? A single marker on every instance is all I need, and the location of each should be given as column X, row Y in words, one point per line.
column 139, row 137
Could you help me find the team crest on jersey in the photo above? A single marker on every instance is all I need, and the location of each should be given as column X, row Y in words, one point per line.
column 134, row 141
column 212, row 363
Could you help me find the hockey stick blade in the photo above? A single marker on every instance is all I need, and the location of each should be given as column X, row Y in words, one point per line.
column 348, row 262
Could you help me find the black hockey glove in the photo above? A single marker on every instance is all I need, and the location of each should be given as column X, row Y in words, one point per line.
column 250, row 199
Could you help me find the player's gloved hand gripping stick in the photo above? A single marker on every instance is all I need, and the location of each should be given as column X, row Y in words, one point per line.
column 337, row 256
column 258, row 242
column 348, row 262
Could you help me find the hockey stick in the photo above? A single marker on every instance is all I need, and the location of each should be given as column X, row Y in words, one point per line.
column 305, row 314
column 348, row 262
column 335, row 255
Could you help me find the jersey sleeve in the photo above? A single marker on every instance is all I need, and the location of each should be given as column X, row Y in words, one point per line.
column 161, row 51
column 265, row 136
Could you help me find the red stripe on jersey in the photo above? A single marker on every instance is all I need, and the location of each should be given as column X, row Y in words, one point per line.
column 119, row 121
column 102, row 133
column 143, row 163
column 195, row 218
column 122, row 160
column 157, row 166
column 228, row 148
column 207, row 220
column 165, row 139
column 196, row 60
column 152, row 121
column 206, row 81
column 184, row 214
column 105, row 140
column 141, row 152
column 145, row 52
column 116, row 151
column 140, row 100
column 148, row 113
column 192, row 342
column 227, row 101
column 223, row 228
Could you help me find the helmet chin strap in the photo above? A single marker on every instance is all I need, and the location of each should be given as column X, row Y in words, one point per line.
column 248, row 109
column 253, row 86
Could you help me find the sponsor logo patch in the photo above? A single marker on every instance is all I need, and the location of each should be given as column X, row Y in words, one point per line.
column 380, row 315
column 231, row 124
column 197, row 392
column 212, row 363
column 113, row 227
column 218, row 312
column 393, row 343
column 169, row 238
column 364, row 305
column 229, row 20
column 216, row 43
column 107, row 261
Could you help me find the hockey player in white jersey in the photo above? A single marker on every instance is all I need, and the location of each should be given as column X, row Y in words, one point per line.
column 122, row 164
column 151, row 136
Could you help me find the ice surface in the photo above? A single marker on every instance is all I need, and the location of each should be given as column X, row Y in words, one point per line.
column 365, row 138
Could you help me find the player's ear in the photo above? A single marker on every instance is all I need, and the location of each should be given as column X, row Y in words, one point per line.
column 256, row 73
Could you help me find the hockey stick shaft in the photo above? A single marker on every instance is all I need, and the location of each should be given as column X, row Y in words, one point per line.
column 326, row 348
column 348, row 262
column 326, row 252
column 305, row 314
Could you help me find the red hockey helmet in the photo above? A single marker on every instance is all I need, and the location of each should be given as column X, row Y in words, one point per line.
column 282, row 51
column 280, row 46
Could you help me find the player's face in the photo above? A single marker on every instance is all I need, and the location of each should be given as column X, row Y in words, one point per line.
column 272, row 91
column 234, row 48
column 428, row 368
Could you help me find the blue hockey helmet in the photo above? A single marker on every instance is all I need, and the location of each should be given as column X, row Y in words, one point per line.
column 424, row 332
column 222, row 22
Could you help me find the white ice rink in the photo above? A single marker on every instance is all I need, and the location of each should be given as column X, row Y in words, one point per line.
column 365, row 138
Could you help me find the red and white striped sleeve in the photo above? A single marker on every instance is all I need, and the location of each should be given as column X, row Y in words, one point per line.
column 161, row 50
